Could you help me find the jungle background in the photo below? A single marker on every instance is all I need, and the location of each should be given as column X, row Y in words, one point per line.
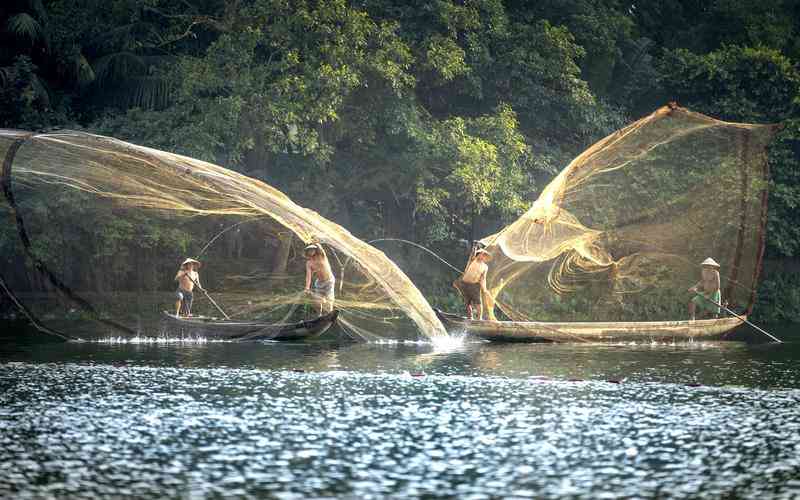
column 432, row 121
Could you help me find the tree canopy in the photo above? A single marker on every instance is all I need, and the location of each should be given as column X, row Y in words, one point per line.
column 429, row 120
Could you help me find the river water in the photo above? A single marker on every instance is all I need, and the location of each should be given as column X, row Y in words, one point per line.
column 462, row 419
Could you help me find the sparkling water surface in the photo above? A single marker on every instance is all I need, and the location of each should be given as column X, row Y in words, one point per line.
column 466, row 420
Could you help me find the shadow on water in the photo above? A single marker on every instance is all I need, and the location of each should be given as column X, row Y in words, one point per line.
column 707, row 363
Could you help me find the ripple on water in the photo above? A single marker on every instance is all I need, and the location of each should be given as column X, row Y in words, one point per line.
column 87, row 431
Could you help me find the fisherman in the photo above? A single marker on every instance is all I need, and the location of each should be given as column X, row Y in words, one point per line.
column 187, row 277
column 473, row 282
column 319, row 277
column 707, row 290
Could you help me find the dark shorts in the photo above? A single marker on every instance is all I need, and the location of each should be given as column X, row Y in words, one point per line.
column 470, row 291
column 186, row 299
column 324, row 288
column 703, row 300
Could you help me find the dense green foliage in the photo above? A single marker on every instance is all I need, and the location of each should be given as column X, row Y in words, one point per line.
column 428, row 120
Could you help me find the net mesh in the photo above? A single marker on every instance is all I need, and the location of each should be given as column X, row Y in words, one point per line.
column 95, row 230
column 620, row 233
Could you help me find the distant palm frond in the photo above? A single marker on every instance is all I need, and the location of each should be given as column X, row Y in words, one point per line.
column 25, row 25
column 5, row 76
column 145, row 92
column 118, row 67
column 82, row 70
column 132, row 80
column 151, row 92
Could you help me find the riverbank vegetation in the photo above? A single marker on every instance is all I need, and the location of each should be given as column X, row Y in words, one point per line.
column 432, row 121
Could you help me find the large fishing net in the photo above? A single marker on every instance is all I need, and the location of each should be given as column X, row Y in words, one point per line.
column 620, row 233
column 95, row 229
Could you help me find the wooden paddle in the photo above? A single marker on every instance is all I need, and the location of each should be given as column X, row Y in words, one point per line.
column 208, row 297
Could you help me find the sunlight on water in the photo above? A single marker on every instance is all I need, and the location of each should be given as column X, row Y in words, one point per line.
column 151, row 340
column 442, row 343
column 118, row 431
column 683, row 344
column 448, row 343
column 171, row 417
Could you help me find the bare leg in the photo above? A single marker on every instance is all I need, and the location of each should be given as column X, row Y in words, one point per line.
column 187, row 305
column 318, row 304
column 178, row 307
column 691, row 310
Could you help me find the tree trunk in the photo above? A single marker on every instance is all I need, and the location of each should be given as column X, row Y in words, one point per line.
column 281, row 258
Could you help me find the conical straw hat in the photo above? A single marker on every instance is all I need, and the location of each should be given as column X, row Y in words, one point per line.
column 191, row 261
column 312, row 246
column 709, row 262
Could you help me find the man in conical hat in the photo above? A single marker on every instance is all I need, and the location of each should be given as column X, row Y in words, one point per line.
column 472, row 283
column 707, row 290
column 187, row 277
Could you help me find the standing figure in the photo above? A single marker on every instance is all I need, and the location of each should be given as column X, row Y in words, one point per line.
column 319, row 277
column 707, row 291
column 473, row 283
column 187, row 277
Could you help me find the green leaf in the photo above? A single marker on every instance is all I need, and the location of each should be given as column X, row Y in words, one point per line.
column 25, row 25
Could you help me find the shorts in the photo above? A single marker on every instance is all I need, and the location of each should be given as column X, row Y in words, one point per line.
column 701, row 300
column 470, row 291
column 324, row 288
column 186, row 297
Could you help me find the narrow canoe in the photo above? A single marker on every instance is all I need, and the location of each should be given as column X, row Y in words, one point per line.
column 640, row 331
column 219, row 329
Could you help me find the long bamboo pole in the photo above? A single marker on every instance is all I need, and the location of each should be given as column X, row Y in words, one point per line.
column 776, row 339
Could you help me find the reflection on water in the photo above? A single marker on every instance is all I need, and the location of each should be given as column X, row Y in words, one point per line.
column 471, row 420
column 706, row 363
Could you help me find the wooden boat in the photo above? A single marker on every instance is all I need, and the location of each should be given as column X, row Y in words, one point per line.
column 220, row 329
column 641, row 331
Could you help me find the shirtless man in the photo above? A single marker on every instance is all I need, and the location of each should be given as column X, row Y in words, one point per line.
column 187, row 277
column 319, row 277
column 707, row 290
column 473, row 282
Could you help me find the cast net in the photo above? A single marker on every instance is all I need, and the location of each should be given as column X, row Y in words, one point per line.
column 95, row 229
column 620, row 233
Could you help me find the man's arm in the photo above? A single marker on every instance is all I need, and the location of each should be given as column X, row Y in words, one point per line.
column 308, row 276
column 471, row 258
column 696, row 286
column 179, row 274
column 716, row 277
